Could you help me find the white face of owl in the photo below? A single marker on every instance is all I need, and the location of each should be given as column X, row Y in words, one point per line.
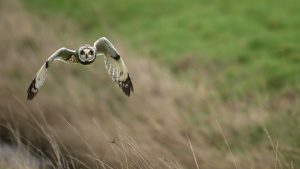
column 87, row 54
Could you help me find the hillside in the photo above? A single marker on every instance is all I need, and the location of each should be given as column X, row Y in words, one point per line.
column 241, row 48
column 80, row 119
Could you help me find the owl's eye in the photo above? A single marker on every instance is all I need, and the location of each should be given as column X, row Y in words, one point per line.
column 91, row 52
column 82, row 52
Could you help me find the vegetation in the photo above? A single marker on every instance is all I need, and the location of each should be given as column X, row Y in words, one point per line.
column 229, row 84
column 243, row 47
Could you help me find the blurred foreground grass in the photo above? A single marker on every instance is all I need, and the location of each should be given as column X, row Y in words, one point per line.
column 241, row 47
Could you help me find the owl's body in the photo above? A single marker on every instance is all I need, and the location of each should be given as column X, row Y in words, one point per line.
column 86, row 55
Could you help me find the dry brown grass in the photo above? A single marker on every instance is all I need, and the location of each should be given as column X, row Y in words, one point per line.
column 80, row 119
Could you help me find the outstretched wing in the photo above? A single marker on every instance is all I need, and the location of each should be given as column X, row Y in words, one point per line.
column 62, row 54
column 114, row 65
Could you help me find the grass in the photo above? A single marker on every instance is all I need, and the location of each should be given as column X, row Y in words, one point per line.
column 246, row 47
column 80, row 119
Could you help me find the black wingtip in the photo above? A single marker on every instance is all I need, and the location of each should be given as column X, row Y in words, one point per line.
column 117, row 57
column 127, row 86
column 32, row 90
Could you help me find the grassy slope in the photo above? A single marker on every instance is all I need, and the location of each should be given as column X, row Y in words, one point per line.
column 245, row 46
column 150, row 29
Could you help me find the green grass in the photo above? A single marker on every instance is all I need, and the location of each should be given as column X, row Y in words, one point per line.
column 242, row 47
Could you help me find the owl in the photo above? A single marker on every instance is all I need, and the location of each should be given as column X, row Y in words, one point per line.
column 86, row 55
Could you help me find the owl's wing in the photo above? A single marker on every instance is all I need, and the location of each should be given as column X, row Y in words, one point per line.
column 114, row 65
column 63, row 54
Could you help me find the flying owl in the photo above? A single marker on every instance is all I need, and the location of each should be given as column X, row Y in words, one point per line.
column 86, row 55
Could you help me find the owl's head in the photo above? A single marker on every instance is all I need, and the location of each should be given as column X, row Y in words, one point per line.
column 87, row 54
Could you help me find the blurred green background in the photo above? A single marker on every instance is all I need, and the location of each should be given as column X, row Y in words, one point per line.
column 247, row 47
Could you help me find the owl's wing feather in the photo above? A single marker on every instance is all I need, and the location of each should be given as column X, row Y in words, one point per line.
column 62, row 54
column 115, row 65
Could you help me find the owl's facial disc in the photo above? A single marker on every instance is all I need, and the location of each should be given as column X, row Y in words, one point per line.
column 87, row 54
